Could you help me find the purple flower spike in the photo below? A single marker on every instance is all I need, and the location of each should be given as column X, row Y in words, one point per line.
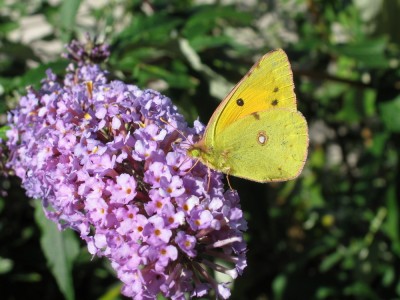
column 105, row 163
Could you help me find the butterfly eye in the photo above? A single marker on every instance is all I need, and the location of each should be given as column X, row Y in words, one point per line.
column 240, row 102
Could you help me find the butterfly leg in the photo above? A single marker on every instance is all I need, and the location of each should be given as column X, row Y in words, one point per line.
column 229, row 183
column 209, row 179
column 191, row 168
column 227, row 179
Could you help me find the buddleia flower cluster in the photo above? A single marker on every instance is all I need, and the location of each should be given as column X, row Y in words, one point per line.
column 109, row 160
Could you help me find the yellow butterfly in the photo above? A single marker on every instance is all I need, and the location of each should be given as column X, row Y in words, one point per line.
column 256, row 132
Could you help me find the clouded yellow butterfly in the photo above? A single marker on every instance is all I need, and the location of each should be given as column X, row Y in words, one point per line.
column 256, row 132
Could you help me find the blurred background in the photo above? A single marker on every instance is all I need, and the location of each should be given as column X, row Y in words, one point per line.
column 334, row 233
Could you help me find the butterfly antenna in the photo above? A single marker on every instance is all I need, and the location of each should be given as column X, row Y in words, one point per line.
column 187, row 158
column 191, row 168
column 208, row 173
column 177, row 130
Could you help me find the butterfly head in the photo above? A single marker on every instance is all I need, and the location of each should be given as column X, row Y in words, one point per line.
column 196, row 150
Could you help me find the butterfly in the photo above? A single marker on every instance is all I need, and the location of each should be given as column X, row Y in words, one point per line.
column 256, row 132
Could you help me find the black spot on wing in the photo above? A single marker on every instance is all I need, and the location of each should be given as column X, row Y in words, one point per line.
column 240, row 102
column 274, row 102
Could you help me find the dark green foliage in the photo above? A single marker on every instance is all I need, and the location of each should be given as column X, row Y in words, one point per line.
column 334, row 233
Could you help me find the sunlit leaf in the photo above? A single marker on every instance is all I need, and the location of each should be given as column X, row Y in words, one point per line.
column 68, row 12
column 390, row 114
column 3, row 130
column 369, row 53
column 278, row 286
column 60, row 248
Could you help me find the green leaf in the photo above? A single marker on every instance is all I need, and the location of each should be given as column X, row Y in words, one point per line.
column 68, row 12
column 113, row 293
column 388, row 276
column 278, row 286
column 34, row 76
column 392, row 222
column 5, row 265
column 379, row 143
column 369, row 102
column 176, row 80
column 3, row 130
column 18, row 51
column 31, row 77
column 390, row 112
column 325, row 292
column 6, row 27
column 207, row 17
column 200, row 43
column 360, row 290
column 370, row 52
column 398, row 288
column 136, row 57
column 330, row 261
column 387, row 21
column 219, row 86
column 351, row 109
column 153, row 30
column 60, row 249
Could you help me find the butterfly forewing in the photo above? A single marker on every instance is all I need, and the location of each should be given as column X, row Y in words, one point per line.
column 268, row 85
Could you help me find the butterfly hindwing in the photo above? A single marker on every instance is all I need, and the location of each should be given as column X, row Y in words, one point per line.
column 264, row 146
